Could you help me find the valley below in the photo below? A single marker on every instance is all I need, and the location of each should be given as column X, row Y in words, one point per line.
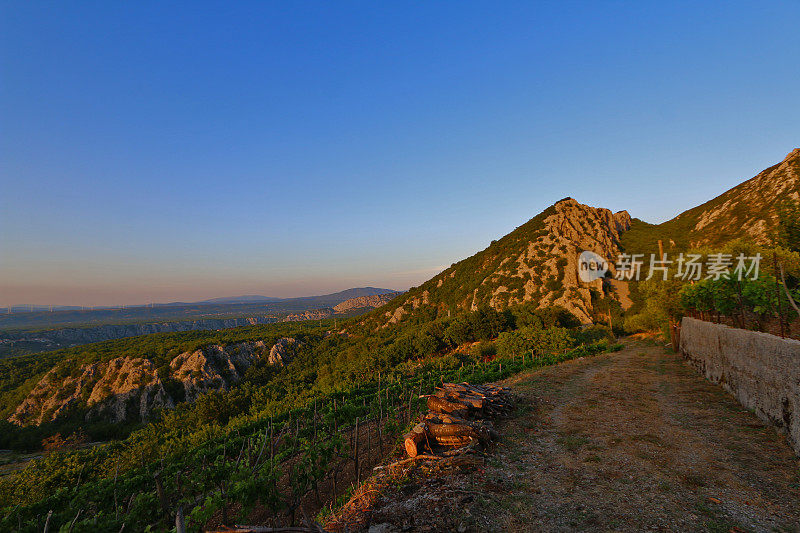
column 18, row 341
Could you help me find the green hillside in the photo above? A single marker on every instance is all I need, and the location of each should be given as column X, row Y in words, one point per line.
column 534, row 264
column 749, row 210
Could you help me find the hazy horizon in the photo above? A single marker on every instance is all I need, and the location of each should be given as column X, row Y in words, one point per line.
column 154, row 153
column 281, row 291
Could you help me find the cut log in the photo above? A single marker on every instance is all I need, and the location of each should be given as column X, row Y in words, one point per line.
column 436, row 431
column 473, row 401
column 469, row 400
column 440, row 405
column 445, row 418
column 480, row 430
column 414, row 439
column 454, row 440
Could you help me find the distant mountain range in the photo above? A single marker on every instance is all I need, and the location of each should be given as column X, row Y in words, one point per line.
column 336, row 297
column 246, row 299
column 340, row 296
column 45, row 339
column 226, row 307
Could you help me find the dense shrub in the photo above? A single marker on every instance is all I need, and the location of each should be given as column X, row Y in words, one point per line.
column 528, row 314
column 483, row 350
column 533, row 340
column 593, row 334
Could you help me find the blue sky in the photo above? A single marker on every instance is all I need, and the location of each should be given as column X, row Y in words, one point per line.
column 155, row 151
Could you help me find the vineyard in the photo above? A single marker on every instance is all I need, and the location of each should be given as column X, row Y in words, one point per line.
column 264, row 465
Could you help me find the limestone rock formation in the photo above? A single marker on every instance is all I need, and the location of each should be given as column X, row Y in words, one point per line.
column 128, row 387
column 131, row 388
column 537, row 262
column 314, row 314
column 283, row 351
column 361, row 302
column 55, row 393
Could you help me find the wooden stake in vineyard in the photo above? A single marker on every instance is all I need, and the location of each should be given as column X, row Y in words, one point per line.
column 778, row 291
column 380, row 422
column 271, row 444
column 162, row 495
column 369, row 440
column 355, row 455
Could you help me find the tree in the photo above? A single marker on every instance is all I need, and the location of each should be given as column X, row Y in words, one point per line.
column 788, row 234
column 662, row 306
column 535, row 340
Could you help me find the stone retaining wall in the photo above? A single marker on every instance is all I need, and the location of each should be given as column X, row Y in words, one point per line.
column 761, row 370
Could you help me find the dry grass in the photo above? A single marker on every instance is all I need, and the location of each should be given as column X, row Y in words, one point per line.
column 629, row 441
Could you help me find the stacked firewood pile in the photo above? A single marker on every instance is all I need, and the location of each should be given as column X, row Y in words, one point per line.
column 458, row 416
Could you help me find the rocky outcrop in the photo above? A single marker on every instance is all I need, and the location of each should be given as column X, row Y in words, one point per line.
column 537, row 262
column 131, row 388
column 315, row 314
column 55, row 393
column 570, row 230
column 214, row 367
column 365, row 301
column 128, row 388
column 283, row 351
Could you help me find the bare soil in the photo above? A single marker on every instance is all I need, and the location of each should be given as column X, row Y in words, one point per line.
column 629, row 441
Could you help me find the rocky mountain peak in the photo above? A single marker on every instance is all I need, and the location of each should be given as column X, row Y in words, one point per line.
column 623, row 220
column 568, row 200
column 794, row 155
column 537, row 262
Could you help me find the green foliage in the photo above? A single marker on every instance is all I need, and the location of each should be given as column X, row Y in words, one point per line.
column 483, row 350
column 528, row 315
column 744, row 301
column 662, row 304
column 748, row 302
column 593, row 334
column 534, row 340
column 486, row 323
column 788, row 233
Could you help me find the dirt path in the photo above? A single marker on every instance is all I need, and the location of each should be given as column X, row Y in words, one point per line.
column 629, row 441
